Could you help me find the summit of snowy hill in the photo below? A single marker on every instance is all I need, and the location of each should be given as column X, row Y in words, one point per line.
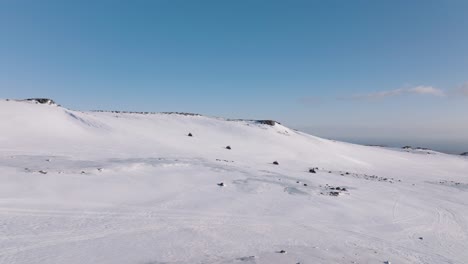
column 138, row 187
column 37, row 101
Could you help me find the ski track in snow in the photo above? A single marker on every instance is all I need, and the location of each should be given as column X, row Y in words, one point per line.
column 84, row 187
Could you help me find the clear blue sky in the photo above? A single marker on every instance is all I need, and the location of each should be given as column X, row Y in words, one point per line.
column 390, row 72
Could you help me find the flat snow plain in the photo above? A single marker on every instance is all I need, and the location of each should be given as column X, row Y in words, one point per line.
column 102, row 187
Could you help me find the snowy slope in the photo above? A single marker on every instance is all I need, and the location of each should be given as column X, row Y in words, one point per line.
column 103, row 187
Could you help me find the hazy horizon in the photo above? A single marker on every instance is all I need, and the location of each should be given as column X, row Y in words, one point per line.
column 444, row 146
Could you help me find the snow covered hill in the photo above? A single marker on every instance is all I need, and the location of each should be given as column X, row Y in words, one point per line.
column 108, row 187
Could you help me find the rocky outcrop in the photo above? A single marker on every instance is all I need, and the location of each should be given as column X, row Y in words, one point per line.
column 145, row 113
column 267, row 122
column 41, row 101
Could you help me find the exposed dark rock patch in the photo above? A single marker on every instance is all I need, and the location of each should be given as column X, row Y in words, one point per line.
column 275, row 162
column 332, row 190
column 228, row 147
column 41, row 101
column 267, row 122
column 418, row 150
column 190, row 135
column 421, row 148
column 248, row 258
column 456, row 184
column 181, row 113
column 366, row 176
column 224, row 160
column 145, row 113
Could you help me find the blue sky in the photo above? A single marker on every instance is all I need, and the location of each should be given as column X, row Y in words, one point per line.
column 389, row 72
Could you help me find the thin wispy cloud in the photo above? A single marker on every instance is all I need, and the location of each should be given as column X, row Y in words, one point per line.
column 429, row 90
column 417, row 90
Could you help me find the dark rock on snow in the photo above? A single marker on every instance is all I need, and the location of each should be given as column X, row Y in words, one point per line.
column 248, row 258
column 41, row 100
column 275, row 163
column 267, row 122
column 178, row 113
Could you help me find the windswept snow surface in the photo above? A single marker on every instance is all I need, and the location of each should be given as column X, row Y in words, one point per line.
column 101, row 187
